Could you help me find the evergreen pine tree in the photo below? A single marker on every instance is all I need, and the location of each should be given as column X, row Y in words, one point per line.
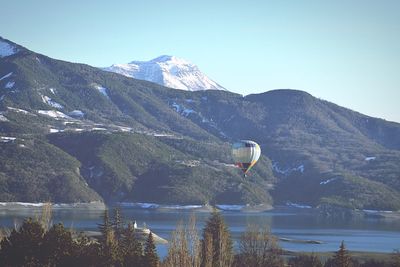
column 105, row 227
column 118, row 224
column 342, row 257
column 58, row 246
column 216, row 235
column 150, row 254
column 87, row 253
column 23, row 246
column 132, row 248
column 110, row 251
column 109, row 248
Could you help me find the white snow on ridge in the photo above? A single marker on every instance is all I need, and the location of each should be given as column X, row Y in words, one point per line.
column 162, row 135
column 370, row 158
column 182, row 110
column 327, row 181
column 6, row 139
column 101, row 89
column 54, row 114
column 20, row 111
column 187, row 111
column 169, row 71
column 50, row 102
column 9, row 85
column 177, row 107
column 287, row 171
column 7, row 49
column 124, row 129
column 2, row 118
column 6, row 76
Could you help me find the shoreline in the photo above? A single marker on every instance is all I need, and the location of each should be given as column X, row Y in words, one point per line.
column 245, row 208
column 96, row 205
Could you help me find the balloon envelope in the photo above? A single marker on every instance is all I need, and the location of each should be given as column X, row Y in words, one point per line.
column 245, row 154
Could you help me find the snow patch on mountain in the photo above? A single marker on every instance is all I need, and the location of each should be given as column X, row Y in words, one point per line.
column 50, row 102
column 101, row 89
column 327, row 181
column 6, row 76
column 7, row 49
column 168, row 71
column 3, row 118
column 182, row 110
column 9, row 85
column 53, row 114
column 287, row 171
column 20, row 111
column 6, row 139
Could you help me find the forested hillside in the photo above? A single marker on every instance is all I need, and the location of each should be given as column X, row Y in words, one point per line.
column 74, row 133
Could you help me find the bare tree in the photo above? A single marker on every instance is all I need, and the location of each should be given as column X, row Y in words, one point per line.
column 46, row 216
column 207, row 251
column 183, row 250
column 178, row 254
column 258, row 247
column 194, row 242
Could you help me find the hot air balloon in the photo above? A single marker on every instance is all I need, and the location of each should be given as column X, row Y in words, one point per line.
column 245, row 154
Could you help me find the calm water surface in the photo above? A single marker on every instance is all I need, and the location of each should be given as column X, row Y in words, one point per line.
column 364, row 234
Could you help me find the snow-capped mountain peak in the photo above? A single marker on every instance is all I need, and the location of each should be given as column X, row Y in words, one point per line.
column 169, row 71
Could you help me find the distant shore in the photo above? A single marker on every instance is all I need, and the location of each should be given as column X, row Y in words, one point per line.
column 27, row 205
column 97, row 205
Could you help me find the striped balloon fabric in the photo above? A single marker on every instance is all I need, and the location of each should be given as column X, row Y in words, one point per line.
column 245, row 154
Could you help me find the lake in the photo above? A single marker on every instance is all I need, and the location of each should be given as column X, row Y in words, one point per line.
column 363, row 234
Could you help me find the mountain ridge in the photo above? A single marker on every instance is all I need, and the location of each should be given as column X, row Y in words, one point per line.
column 314, row 152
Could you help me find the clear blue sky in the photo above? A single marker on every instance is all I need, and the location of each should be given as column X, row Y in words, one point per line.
column 343, row 51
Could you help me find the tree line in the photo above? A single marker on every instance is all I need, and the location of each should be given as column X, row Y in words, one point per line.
column 38, row 243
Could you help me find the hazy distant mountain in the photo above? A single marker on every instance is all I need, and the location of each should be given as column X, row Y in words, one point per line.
column 71, row 132
column 169, row 71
